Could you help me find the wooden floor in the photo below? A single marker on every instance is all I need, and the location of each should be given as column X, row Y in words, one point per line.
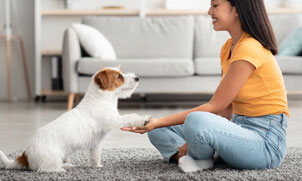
column 18, row 122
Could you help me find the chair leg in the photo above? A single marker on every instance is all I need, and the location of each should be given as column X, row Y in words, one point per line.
column 25, row 68
column 77, row 99
column 71, row 97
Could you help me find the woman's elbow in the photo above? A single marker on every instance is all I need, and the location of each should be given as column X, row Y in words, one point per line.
column 213, row 108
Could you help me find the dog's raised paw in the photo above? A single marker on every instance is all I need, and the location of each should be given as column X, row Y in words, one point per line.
column 147, row 117
column 146, row 120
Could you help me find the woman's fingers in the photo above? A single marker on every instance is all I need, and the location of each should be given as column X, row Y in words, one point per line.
column 135, row 129
column 132, row 128
column 140, row 131
column 126, row 128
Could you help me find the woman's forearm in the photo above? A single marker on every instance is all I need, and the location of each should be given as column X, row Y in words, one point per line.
column 179, row 118
column 174, row 119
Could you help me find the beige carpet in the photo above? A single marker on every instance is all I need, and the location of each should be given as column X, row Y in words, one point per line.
column 147, row 164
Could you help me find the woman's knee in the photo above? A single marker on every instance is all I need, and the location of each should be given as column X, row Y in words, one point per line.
column 198, row 124
column 198, row 120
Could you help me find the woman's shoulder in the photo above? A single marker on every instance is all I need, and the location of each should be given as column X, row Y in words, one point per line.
column 251, row 50
column 250, row 43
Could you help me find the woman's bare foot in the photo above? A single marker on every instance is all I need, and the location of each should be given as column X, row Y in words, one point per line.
column 182, row 151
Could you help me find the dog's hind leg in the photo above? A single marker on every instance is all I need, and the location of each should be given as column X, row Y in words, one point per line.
column 66, row 163
column 95, row 156
column 55, row 165
column 51, row 170
column 51, row 162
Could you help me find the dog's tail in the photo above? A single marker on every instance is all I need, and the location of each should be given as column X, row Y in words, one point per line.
column 20, row 163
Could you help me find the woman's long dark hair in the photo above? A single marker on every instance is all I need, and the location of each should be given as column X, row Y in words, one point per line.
column 254, row 20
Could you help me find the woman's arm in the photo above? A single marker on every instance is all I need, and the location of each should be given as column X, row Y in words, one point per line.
column 227, row 113
column 227, row 90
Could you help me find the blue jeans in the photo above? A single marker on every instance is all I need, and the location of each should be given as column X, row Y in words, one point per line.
column 244, row 142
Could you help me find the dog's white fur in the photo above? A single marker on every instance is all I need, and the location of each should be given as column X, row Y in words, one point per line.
column 83, row 127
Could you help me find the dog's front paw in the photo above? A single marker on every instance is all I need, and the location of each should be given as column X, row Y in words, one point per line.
column 134, row 120
column 145, row 120
column 147, row 117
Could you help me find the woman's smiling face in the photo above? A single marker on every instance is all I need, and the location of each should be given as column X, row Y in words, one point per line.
column 223, row 14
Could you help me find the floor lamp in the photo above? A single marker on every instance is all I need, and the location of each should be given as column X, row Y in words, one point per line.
column 8, row 39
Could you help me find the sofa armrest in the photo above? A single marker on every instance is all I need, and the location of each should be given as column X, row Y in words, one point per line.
column 71, row 54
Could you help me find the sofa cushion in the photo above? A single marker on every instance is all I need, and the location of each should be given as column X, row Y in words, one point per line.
column 207, row 66
column 171, row 85
column 150, row 37
column 94, row 42
column 290, row 64
column 160, row 67
column 208, row 42
column 292, row 44
column 211, row 66
column 284, row 24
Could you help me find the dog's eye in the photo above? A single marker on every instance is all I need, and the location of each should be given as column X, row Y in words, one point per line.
column 120, row 76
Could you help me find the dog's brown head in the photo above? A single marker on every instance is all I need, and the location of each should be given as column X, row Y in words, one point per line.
column 109, row 79
column 113, row 80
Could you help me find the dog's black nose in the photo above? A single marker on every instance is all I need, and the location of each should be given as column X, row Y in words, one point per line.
column 136, row 79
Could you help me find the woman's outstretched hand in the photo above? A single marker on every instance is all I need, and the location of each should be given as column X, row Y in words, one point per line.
column 148, row 127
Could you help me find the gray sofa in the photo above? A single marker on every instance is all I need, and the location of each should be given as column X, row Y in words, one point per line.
column 170, row 54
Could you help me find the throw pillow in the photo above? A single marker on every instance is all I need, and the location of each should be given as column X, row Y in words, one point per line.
column 94, row 42
column 292, row 44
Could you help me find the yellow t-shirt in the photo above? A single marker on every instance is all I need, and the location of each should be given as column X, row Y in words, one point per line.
column 264, row 92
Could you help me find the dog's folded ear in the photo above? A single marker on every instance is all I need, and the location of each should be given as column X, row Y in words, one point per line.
column 102, row 80
column 108, row 79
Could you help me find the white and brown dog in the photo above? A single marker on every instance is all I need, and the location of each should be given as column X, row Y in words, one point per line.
column 83, row 127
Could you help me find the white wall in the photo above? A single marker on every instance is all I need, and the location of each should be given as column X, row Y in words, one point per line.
column 98, row 4
column 271, row 4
